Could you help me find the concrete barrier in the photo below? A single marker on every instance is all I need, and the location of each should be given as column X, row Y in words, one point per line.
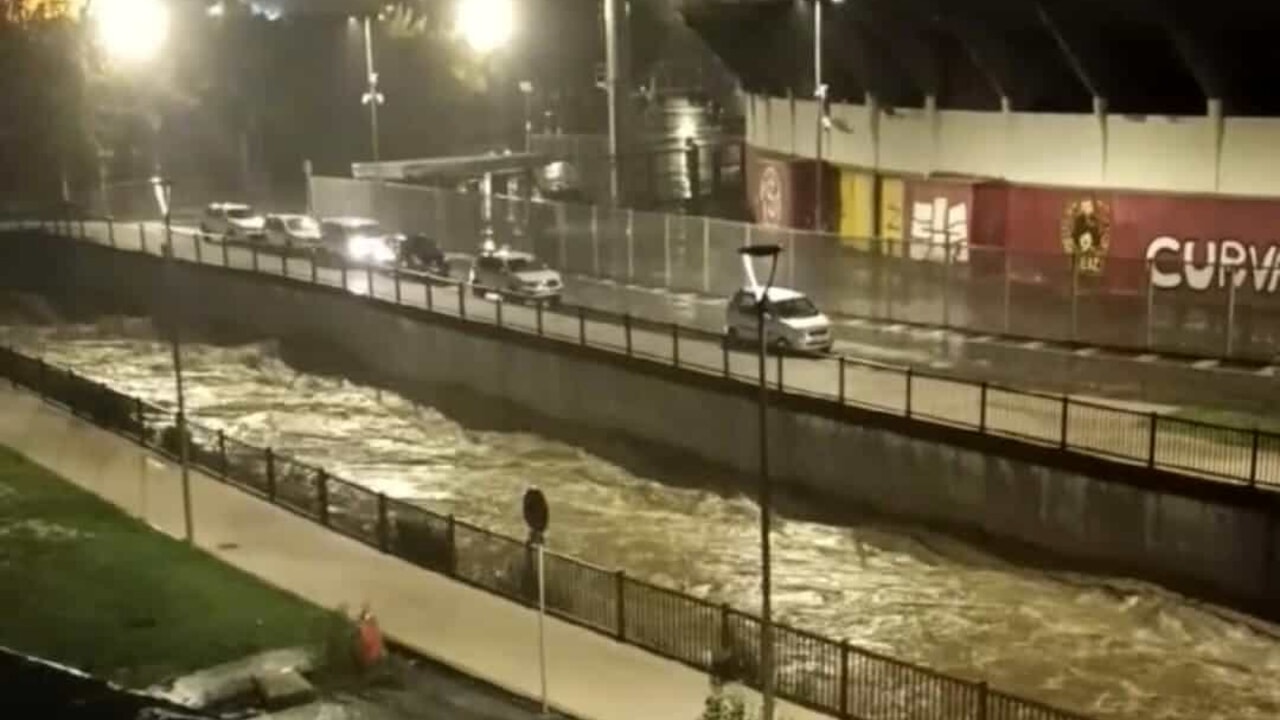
column 1218, row 542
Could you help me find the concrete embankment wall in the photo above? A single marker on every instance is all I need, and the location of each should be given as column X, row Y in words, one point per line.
column 1216, row 542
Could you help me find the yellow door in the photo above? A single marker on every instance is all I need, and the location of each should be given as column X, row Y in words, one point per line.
column 892, row 192
column 857, row 209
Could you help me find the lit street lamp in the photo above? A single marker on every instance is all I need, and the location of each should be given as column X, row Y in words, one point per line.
column 485, row 25
column 766, row 486
column 130, row 31
column 163, row 189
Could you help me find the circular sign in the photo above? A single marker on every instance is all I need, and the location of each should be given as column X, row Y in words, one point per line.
column 536, row 512
column 769, row 195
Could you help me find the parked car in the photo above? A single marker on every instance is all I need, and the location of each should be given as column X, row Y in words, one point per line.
column 422, row 253
column 360, row 240
column 792, row 321
column 514, row 274
column 292, row 231
column 232, row 221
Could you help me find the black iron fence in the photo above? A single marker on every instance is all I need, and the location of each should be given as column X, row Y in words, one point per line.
column 1213, row 452
column 811, row 670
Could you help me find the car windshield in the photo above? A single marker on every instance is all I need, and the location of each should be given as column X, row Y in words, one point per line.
column 301, row 224
column 518, row 265
column 362, row 230
column 800, row 307
column 239, row 213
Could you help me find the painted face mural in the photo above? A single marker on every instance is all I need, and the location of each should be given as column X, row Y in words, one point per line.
column 1086, row 234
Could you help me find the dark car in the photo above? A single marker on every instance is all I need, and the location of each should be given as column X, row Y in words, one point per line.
column 422, row 253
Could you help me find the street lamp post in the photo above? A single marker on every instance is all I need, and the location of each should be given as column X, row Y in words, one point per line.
column 766, row 486
column 371, row 97
column 163, row 188
column 820, row 97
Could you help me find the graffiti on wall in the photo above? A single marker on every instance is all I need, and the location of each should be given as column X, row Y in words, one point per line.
column 939, row 230
column 1086, row 234
column 1203, row 265
column 770, row 195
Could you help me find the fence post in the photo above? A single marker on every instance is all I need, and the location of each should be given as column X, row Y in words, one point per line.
column 982, row 407
column 198, row 242
column 595, row 240
column 395, row 276
column 724, row 351
column 284, row 259
column 675, row 344
column 1231, row 314
column 142, row 237
column 620, row 592
column 538, row 316
column 946, row 281
column 666, row 250
column 1008, row 290
column 426, row 290
column 271, row 476
column 322, row 496
column 222, row 453
column 40, row 378
column 451, row 546
column 982, row 701
column 725, row 632
column 906, row 409
column 842, row 394
column 780, row 386
column 1253, row 457
column 384, row 540
column 626, row 331
column 1151, row 304
column 844, row 678
column 368, row 281
column 1151, row 440
column 141, row 418
column 582, row 325
column 226, row 254
column 342, row 265
column 706, row 255
column 462, row 301
column 631, row 246
column 253, row 252
column 497, row 311
column 1066, row 407
column 111, row 233
column 1075, row 297
column 315, row 271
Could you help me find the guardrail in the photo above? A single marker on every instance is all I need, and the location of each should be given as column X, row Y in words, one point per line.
column 1212, row 452
column 824, row 674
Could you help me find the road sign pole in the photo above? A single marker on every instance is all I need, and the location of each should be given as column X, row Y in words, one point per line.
column 542, row 617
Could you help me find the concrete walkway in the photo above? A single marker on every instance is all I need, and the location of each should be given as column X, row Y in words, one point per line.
column 589, row 676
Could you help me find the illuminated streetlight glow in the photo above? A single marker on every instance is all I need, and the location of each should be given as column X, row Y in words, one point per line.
column 131, row 31
column 486, row 25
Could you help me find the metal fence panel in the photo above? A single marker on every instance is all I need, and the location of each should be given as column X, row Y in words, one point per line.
column 1024, row 415
column 1204, row 449
column 1108, row 431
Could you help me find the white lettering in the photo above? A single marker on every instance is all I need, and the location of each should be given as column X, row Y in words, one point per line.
column 939, row 229
column 1161, row 278
column 1232, row 258
column 1199, row 278
column 1263, row 270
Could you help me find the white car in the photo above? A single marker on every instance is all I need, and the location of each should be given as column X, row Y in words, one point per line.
column 233, row 221
column 359, row 240
column 518, row 275
column 292, row 231
column 792, row 321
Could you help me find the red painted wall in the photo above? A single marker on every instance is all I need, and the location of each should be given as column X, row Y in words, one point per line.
column 781, row 190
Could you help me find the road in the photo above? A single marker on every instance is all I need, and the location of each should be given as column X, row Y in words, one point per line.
column 1105, row 427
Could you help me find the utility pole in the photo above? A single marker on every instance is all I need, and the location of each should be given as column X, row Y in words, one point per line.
column 372, row 97
column 617, row 88
column 820, row 97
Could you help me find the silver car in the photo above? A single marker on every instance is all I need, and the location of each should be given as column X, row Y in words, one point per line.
column 292, row 231
column 515, row 274
column 793, row 322
column 233, row 221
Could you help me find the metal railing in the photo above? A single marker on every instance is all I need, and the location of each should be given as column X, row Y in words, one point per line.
column 1163, row 305
column 828, row 675
column 1215, row 453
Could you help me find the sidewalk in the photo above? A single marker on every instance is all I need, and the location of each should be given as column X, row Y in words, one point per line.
column 588, row 676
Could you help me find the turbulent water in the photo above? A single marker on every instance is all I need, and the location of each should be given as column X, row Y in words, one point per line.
column 1109, row 648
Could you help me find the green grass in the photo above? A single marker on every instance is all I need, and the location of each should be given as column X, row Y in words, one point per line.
column 83, row 584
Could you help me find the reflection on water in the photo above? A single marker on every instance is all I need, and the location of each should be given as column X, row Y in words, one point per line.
column 1109, row 648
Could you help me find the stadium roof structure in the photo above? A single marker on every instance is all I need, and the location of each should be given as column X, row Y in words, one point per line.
column 1144, row 57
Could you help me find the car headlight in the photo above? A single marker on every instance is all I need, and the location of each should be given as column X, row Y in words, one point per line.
column 362, row 248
